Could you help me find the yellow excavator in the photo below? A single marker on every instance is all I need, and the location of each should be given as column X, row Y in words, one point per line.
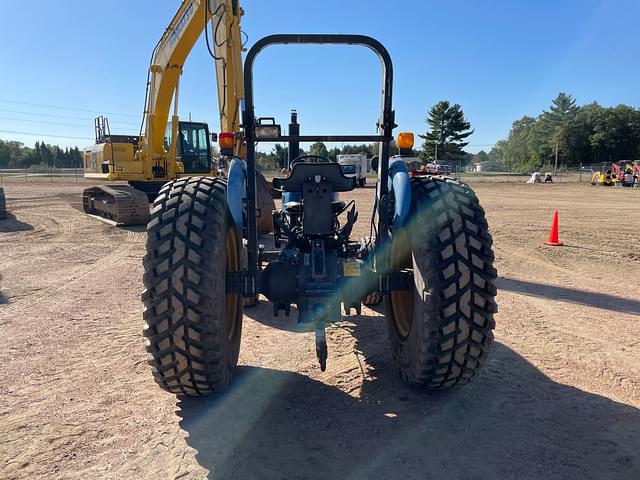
column 167, row 149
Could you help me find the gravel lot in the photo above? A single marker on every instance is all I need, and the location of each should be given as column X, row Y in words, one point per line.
column 558, row 398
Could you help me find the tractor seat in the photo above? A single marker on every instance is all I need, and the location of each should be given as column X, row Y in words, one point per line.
column 294, row 208
column 306, row 172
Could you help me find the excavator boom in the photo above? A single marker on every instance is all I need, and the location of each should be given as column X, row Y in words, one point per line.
column 170, row 54
column 166, row 147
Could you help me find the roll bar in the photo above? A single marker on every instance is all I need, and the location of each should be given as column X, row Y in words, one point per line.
column 385, row 124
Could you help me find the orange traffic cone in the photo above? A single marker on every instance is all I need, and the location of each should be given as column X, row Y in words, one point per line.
column 553, row 233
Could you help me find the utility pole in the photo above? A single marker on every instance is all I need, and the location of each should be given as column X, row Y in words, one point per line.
column 555, row 167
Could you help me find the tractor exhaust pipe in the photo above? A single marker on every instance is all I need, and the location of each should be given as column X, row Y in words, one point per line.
column 294, row 130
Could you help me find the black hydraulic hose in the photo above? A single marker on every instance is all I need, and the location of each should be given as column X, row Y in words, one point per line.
column 208, row 12
column 146, row 94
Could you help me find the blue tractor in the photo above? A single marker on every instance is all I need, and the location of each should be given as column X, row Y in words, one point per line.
column 429, row 259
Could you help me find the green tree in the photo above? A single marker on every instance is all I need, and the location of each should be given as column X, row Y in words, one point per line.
column 266, row 161
column 352, row 149
column 497, row 153
column 558, row 124
column 625, row 122
column 76, row 158
column 583, row 129
column 483, row 156
column 320, row 149
column 449, row 130
column 333, row 154
column 589, row 134
column 281, row 154
column 17, row 155
column 5, row 155
column 517, row 154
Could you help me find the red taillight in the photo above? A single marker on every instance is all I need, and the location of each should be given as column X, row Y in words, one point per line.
column 226, row 140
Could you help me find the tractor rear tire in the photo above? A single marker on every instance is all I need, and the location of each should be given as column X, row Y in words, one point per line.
column 440, row 332
column 192, row 326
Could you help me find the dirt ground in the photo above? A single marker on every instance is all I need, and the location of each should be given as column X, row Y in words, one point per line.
column 558, row 398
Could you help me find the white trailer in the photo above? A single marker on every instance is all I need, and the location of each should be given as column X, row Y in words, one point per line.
column 355, row 166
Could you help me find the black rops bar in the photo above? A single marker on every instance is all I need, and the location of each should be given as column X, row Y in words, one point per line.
column 385, row 125
column 323, row 138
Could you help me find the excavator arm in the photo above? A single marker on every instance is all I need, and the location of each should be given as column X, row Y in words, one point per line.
column 145, row 162
column 192, row 18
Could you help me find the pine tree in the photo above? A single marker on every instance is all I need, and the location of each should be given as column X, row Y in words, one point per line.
column 76, row 158
column 46, row 155
column 563, row 110
column 319, row 149
column 558, row 122
column 449, row 130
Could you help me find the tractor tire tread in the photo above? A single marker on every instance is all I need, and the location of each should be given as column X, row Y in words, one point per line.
column 183, row 297
column 452, row 248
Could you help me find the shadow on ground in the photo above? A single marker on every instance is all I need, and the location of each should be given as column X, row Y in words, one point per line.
column 133, row 228
column 511, row 422
column 263, row 313
column 570, row 295
column 12, row 224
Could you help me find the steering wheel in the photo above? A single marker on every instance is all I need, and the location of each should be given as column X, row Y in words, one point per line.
column 312, row 159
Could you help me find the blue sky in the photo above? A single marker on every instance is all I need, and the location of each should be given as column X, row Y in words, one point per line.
column 66, row 61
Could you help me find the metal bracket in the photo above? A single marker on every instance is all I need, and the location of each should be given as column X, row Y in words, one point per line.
column 234, row 282
column 395, row 280
column 241, row 283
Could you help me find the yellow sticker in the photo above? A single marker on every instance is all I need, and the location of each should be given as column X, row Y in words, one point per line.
column 351, row 268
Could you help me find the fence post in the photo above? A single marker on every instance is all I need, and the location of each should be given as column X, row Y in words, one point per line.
column 580, row 177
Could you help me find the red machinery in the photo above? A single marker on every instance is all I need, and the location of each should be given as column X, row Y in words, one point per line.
column 625, row 172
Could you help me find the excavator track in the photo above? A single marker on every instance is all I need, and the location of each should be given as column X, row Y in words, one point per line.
column 3, row 205
column 121, row 204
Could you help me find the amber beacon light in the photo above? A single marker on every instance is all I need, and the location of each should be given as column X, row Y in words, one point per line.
column 405, row 140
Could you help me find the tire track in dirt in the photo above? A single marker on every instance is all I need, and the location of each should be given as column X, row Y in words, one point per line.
column 62, row 224
column 46, row 229
column 134, row 236
column 573, row 327
column 77, row 399
column 564, row 348
column 63, row 229
column 129, row 241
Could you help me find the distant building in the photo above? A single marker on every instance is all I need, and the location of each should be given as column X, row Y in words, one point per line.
column 488, row 166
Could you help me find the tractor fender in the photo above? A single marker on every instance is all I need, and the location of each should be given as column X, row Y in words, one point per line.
column 237, row 190
column 400, row 186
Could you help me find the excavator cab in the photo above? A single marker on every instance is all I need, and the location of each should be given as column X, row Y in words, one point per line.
column 193, row 147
